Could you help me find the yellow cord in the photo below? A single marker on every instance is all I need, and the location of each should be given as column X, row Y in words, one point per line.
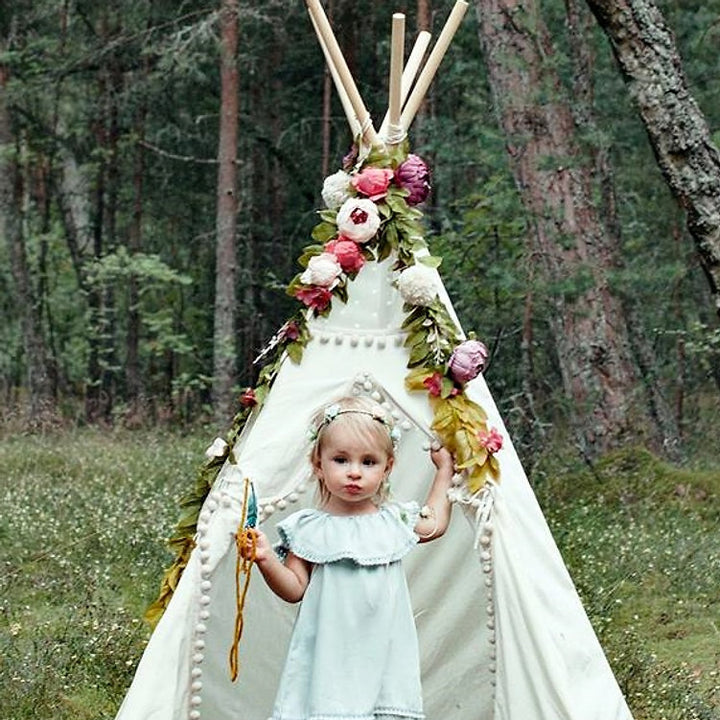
column 244, row 538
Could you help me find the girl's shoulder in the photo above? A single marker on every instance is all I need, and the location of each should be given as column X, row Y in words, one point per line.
column 377, row 538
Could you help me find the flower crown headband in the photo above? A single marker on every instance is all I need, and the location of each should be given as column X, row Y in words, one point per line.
column 334, row 410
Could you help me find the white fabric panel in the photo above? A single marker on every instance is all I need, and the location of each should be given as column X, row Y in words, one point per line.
column 549, row 663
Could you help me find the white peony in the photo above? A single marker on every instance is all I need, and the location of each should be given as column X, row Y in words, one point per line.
column 322, row 270
column 358, row 219
column 218, row 448
column 418, row 285
column 336, row 189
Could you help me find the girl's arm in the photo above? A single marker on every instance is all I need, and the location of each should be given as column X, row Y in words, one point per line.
column 437, row 520
column 287, row 580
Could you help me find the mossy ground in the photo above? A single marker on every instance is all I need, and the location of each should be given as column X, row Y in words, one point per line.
column 85, row 514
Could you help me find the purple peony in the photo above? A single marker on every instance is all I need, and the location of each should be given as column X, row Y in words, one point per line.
column 413, row 175
column 468, row 360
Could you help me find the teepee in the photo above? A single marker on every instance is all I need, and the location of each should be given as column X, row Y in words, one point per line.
column 503, row 634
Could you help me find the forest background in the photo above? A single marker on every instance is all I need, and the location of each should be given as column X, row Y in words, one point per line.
column 569, row 243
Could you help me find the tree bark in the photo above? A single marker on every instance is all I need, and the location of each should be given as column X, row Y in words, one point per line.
column 569, row 241
column 579, row 24
column 646, row 52
column 225, row 354
column 41, row 406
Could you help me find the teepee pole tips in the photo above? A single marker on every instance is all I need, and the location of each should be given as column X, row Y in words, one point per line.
column 397, row 55
column 433, row 62
column 408, row 77
column 363, row 117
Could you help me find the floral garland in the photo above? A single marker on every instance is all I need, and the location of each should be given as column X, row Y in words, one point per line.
column 370, row 215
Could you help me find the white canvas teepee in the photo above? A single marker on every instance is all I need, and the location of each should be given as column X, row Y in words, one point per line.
column 503, row 634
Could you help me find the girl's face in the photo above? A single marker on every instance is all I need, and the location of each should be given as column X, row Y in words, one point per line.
column 352, row 470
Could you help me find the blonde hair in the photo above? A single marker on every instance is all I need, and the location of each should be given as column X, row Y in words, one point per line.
column 364, row 418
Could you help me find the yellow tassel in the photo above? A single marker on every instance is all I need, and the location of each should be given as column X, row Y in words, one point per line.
column 245, row 537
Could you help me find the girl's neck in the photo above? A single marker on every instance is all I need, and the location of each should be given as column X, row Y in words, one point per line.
column 334, row 506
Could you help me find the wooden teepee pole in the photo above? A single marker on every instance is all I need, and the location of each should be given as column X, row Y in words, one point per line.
column 397, row 56
column 432, row 64
column 408, row 77
column 342, row 94
column 368, row 134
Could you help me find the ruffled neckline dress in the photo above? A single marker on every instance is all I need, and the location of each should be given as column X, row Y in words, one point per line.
column 353, row 654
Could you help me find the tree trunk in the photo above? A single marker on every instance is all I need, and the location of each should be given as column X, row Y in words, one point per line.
column 41, row 407
column 569, row 241
column 579, row 24
column 226, row 218
column 690, row 163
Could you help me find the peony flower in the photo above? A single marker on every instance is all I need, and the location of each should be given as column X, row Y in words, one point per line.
column 336, row 189
column 373, row 182
column 248, row 399
column 418, row 285
column 289, row 331
column 358, row 219
column 468, row 360
column 317, row 298
column 348, row 254
column 433, row 383
column 218, row 449
column 413, row 175
column 322, row 270
column 491, row 440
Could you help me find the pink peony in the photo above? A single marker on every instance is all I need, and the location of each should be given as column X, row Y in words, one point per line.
column 433, row 383
column 358, row 219
column 348, row 254
column 317, row 298
column 413, row 175
column 468, row 360
column 248, row 399
column 373, row 182
column 289, row 331
column 491, row 440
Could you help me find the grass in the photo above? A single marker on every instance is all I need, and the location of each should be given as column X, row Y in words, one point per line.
column 84, row 515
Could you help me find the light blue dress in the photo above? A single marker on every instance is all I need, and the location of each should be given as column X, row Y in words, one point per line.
column 353, row 653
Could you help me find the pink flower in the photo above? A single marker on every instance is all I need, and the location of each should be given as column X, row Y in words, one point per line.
column 248, row 399
column 348, row 254
column 433, row 383
column 289, row 331
column 373, row 182
column 491, row 440
column 413, row 175
column 468, row 360
column 317, row 298
column 358, row 219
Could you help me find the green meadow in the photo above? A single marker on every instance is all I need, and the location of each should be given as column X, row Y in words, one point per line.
column 84, row 515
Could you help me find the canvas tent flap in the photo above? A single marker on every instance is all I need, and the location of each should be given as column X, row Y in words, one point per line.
column 500, row 640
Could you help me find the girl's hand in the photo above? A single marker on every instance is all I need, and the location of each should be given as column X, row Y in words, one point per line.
column 442, row 459
column 263, row 549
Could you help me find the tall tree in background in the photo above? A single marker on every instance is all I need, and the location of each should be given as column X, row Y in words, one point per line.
column 690, row 163
column 41, row 398
column 224, row 351
column 569, row 242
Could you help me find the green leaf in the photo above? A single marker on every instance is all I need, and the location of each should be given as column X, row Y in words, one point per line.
column 323, row 232
column 432, row 261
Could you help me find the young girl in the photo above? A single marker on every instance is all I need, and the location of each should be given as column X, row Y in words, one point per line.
column 353, row 654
